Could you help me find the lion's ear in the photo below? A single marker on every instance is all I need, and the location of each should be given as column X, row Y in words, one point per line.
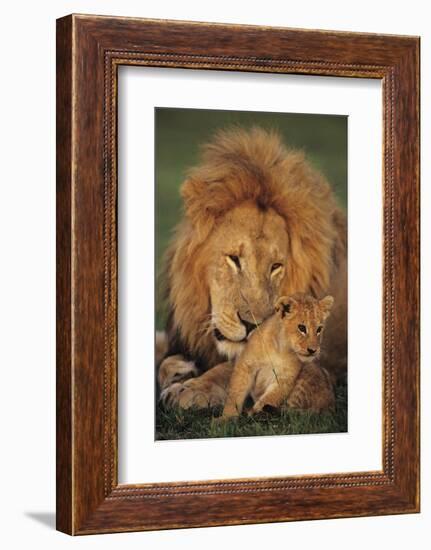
column 193, row 192
column 285, row 306
column 326, row 304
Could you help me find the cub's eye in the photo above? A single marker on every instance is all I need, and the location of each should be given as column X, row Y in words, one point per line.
column 235, row 260
column 319, row 330
column 276, row 267
column 302, row 329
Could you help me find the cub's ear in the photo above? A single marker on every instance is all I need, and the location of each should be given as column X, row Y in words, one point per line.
column 285, row 306
column 326, row 304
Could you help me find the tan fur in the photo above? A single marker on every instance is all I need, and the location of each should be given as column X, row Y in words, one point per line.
column 209, row 390
column 313, row 390
column 255, row 200
column 161, row 346
column 174, row 368
column 276, row 354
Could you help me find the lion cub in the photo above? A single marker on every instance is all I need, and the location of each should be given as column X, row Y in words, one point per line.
column 276, row 353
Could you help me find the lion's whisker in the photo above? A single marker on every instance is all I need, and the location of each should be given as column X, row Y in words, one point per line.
column 205, row 329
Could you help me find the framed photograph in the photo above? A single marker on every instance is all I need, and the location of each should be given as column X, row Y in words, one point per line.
column 237, row 274
column 248, row 271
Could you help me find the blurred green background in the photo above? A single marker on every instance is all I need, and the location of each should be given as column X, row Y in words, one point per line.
column 179, row 134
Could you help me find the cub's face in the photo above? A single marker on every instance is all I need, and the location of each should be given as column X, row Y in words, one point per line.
column 302, row 323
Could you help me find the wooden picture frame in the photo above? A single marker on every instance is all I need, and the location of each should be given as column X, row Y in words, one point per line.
column 89, row 51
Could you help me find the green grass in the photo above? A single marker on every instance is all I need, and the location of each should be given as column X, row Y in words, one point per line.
column 199, row 424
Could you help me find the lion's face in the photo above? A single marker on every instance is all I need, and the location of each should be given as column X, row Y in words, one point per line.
column 249, row 253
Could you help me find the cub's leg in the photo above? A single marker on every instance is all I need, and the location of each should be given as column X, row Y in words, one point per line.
column 272, row 396
column 239, row 387
column 313, row 390
column 207, row 390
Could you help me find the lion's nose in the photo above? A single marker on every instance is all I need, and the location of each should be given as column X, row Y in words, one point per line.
column 248, row 326
column 311, row 351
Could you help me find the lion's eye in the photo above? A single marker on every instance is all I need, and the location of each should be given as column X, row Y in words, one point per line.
column 276, row 267
column 302, row 329
column 235, row 260
column 319, row 330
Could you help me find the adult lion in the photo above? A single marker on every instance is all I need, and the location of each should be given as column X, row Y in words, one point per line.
column 259, row 222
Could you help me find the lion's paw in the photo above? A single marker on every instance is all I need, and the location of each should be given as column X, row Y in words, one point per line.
column 175, row 369
column 189, row 394
column 184, row 395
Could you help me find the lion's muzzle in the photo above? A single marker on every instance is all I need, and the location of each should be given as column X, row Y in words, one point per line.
column 248, row 326
column 219, row 336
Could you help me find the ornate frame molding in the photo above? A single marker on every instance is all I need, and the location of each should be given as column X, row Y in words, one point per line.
column 89, row 498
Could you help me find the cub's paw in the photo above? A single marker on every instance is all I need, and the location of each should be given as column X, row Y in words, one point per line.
column 223, row 420
column 254, row 410
column 262, row 409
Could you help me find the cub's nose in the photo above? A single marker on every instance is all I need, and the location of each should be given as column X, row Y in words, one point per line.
column 311, row 351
